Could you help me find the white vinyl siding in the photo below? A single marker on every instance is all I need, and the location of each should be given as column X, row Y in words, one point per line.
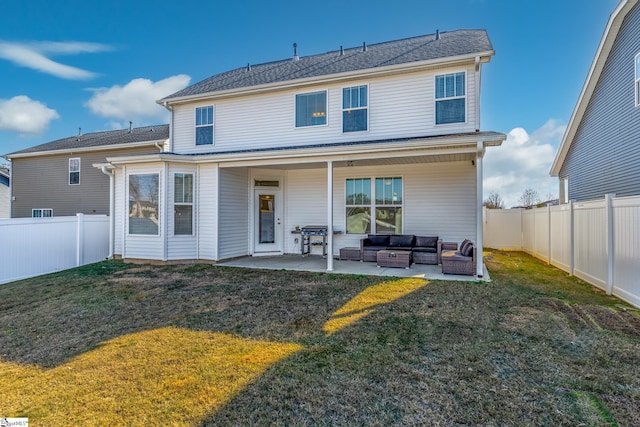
column 401, row 106
column 233, row 222
column 207, row 207
column 637, row 79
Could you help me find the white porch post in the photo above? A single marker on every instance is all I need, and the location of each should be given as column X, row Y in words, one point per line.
column 479, row 232
column 330, row 215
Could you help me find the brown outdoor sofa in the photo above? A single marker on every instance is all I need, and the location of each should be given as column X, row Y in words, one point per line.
column 424, row 249
column 460, row 260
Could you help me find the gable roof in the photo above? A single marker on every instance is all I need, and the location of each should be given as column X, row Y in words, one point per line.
column 602, row 54
column 99, row 140
column 432, row 47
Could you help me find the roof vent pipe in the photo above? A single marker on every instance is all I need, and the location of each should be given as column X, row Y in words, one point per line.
column 341, row 51
column 130, row 126
column 295, row 52
column 79, row 132
column 437, row 34
column 248, row 67
column 364, row 46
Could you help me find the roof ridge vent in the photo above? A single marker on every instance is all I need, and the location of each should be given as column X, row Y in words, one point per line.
column 295, row 52
column 364, row 46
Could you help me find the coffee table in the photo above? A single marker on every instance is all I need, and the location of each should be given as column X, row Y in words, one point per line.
column 399, row 259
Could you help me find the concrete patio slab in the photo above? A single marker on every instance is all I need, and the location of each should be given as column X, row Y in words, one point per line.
column 319, row 264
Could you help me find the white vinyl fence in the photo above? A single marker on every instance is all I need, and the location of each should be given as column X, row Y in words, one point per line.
column 35, row 246
column 598, row 241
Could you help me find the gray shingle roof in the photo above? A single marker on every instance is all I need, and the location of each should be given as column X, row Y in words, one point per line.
column 99, row 139
column 421, row 48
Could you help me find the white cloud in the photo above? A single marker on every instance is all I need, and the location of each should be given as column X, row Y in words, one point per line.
column 24, row 115
column 34, row 55
column 523, row 161
column 136, row 100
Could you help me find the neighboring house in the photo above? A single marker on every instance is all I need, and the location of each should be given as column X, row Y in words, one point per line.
column 57, row 178
column 600, row 150
column 5, row 192
column 380, row 139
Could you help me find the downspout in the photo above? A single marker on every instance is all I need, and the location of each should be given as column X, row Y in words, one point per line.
column 478, row 67
column 112, row 200
column 170, row 108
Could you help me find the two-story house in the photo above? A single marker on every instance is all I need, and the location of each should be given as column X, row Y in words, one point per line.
column 379, row 139
column 57, row 178
column 600, row 150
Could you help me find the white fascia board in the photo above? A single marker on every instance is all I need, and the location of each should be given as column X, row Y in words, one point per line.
column 332, row 78
column 606, row 43
column 446, row 144
column 86, row 149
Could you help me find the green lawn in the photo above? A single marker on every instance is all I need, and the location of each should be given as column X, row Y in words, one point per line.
column 196, row 345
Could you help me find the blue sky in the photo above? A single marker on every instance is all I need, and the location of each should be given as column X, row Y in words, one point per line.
column 98, row 64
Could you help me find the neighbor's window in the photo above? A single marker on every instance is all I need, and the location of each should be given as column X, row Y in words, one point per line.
column 358, row 205
column 311, row 109
column 204, row 125
column 386, row 205
column 143, row 204
column 41, row 213
column 354, row 109
column 450, row 98
column 637, row 75
column 183, row 203
column 74, row 171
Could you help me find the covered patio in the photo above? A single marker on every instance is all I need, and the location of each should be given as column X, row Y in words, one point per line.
column 319, row 264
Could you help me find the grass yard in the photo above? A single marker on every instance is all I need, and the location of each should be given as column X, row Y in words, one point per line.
column 115, row 343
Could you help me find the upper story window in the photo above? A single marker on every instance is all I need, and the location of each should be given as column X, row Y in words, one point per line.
column 204, row 125
column 311, row 109
column 355, row 108
column 450, row 98
column 74, row 171
column 183, row 203
column 637, row 80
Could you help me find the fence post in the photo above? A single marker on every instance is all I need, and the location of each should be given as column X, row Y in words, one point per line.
column 609, row 219
column 79, row 239
column 572, row 244
column 549, row 234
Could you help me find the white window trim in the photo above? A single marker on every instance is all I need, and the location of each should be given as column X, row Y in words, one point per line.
column 326, row 108
column 192, row 204
column 342, row 110
column 372, row 206
column 636, row 85
column 466, row 100
column 41, row 210
column 78, row 171
column 196, row 126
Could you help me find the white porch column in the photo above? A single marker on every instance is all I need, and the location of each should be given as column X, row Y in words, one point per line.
column 330, row 215
column 479, row 232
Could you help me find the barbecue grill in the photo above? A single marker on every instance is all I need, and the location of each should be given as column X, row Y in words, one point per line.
column 310, row 231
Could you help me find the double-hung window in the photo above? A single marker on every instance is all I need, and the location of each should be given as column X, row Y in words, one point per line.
column 204, row 125
column 637, row 80
column 144, row 213
column 311, row 109
column 355, row 109
column 183, row 203
column 74, row 171
column 385, row 207
column 450, row 98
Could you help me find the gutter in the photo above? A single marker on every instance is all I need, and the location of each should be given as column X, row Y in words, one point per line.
column 83, row 149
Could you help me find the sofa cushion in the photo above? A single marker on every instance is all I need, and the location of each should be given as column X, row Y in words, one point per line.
column 423, row 249
column 378, row 240
column 426, row 241
column 399, row 248
column 404, row 240
column 374, row 248
column 455, row 256
column 464, row 244
column 468, row 250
